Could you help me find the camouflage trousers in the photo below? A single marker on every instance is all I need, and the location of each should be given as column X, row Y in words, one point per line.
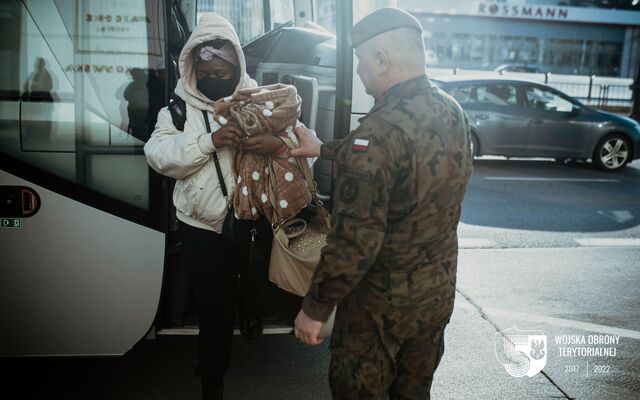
column 369, row 360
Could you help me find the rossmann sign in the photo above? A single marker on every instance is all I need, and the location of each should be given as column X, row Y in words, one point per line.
column 522, row 9
column 540, row 12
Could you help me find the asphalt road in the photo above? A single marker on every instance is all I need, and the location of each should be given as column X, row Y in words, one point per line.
column 540, row 204
column 545, row 247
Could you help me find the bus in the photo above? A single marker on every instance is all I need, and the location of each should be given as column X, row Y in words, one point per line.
column 90, row 261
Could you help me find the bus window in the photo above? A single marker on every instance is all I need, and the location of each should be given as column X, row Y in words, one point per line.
column 250, row 18
column 246, row 16
column 325, row 14
column 281, row 12
column 82, row 91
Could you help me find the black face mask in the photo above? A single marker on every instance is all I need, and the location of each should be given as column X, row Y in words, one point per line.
column 216, row 88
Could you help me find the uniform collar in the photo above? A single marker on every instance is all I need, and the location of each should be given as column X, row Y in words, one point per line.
column 402, row 89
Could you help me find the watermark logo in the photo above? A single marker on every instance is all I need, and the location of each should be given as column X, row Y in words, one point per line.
column 521, row 352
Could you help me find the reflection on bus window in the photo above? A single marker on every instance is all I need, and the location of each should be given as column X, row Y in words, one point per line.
column 83, row 85
column 38, row 88
column 143, row 96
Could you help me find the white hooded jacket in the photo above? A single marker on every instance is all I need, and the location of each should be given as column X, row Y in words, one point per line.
column 187, row 156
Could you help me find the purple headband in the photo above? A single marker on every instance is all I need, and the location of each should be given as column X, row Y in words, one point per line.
column 227, row 53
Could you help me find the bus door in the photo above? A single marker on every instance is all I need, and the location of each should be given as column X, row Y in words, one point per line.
column 287, row 41
column 82, row 219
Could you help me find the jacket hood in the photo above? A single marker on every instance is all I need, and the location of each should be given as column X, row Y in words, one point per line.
column 211, row 26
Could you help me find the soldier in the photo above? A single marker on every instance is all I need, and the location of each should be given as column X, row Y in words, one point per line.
column 390, row 260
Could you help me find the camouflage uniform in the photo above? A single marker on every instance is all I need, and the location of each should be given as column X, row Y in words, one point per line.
column 391, row 256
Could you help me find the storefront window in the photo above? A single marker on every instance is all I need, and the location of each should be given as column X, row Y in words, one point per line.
column 560, row 56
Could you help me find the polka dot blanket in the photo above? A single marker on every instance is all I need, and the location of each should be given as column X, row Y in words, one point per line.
column 270, row 186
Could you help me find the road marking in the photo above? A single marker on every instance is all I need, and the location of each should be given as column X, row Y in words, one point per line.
column 561, row 322
column 608, row 242
column 620, row 216
column 476, row 243
column 536, row 179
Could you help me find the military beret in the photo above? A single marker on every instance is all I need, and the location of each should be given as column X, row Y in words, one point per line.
column 381, row 21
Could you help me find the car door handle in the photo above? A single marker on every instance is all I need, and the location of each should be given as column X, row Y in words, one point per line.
column 535, row 121
column 482, row 116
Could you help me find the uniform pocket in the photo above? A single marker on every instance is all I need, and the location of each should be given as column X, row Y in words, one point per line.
column 364, row 345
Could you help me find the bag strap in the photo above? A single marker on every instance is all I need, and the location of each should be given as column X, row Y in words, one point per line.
column 178, row 111
column 304, row 168
column 223, row 186
column 292, row 222
column 308, row 176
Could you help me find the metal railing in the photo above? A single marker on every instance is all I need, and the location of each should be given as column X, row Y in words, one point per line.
column 595, row 94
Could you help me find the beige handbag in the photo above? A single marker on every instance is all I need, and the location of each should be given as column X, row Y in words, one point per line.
column 295, row 252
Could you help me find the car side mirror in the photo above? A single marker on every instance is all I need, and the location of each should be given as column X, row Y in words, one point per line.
column 576, row 110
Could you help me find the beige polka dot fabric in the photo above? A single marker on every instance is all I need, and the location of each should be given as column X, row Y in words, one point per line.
column 256, row 194
column 265, row 110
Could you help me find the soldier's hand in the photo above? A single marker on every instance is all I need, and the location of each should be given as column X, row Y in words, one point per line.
column 308, row 330
column 309, row 143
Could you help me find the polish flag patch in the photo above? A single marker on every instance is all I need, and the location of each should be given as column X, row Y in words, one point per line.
column 360, row 145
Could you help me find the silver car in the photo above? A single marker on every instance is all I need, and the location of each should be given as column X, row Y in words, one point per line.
column 519, row 118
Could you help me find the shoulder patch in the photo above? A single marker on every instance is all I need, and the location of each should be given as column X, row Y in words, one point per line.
column 350, row 188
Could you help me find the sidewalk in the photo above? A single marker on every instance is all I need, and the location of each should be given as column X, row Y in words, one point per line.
column 470, row 369
column 277, row 367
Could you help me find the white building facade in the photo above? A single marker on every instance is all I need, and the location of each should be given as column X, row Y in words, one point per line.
column 563, row 37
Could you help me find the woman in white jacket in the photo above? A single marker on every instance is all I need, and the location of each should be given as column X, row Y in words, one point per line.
column 212, row 66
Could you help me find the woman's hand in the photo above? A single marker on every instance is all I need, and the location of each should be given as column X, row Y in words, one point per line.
column 262, row 144
column 227, row 135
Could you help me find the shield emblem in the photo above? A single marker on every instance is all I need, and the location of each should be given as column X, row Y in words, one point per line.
column 521, row 352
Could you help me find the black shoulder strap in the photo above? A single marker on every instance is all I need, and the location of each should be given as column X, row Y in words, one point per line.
column 178, row 110
column 223, row 186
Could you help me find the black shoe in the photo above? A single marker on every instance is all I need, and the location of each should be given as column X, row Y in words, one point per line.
column 250, row 327
column 211, row 390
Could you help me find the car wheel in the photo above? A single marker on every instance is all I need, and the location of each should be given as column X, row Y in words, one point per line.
column 612, row 153
column 475, row 146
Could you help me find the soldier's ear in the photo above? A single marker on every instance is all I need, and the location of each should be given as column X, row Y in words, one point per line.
column 382, row 61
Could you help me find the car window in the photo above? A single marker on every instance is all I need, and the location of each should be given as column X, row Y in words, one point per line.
column 494, row 94
column 547, row 100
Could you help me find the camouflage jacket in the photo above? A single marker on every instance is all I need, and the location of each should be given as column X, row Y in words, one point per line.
column 400, row 178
